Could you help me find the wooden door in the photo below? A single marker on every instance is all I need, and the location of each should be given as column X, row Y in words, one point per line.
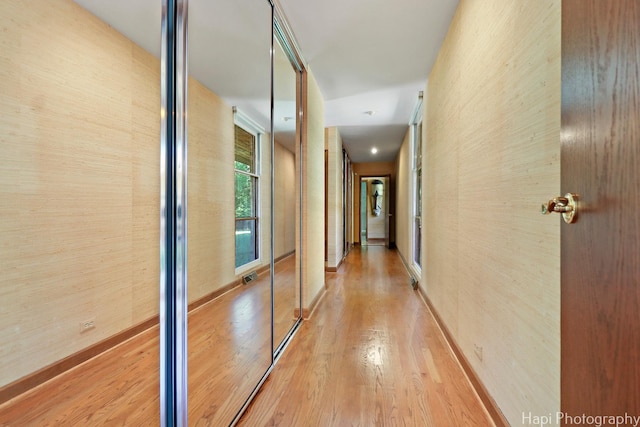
column 600, row 317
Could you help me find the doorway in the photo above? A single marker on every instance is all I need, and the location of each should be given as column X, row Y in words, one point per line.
column 363, row 212
column 374, row 211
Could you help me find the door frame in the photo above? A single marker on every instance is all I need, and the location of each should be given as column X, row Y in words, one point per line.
column 388, row 201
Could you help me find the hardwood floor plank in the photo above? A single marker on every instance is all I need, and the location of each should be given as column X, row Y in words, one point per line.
column 372, row 355
column 119, row 387
column 229, row 351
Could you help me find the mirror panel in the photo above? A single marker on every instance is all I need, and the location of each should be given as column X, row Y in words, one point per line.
column 80, row 129
column 229, row 205
column 286, row 259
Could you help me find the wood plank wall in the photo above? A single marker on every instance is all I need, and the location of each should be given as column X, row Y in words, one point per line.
column 492, row 148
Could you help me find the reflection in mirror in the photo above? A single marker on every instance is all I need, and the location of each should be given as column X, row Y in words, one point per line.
column 285, row 140
column 80, row 140
column 229, row 194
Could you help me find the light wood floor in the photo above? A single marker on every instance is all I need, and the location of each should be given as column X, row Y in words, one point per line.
column 371, row 355
column 229, row 351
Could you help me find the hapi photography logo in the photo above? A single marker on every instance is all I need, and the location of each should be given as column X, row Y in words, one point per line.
column 580, row 420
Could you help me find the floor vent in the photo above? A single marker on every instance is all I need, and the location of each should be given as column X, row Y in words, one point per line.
column 414, row 283
column 249, row 277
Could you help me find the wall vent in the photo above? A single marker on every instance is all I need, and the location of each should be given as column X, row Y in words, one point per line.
column 249, row 277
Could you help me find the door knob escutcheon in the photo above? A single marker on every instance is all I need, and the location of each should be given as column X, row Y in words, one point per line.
column 567, row 206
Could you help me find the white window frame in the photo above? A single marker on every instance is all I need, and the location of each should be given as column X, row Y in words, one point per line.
column 416, row 121
column 249, row 125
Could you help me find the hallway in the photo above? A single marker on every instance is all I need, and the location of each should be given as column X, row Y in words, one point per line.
column 371, row 354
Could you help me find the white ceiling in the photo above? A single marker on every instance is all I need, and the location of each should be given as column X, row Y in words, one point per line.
column 366, row 55
column 370, row 55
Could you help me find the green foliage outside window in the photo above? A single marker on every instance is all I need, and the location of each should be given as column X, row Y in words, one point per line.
column 246, row 197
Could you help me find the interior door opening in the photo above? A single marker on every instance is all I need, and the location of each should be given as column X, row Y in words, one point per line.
column 375, row 211
column 363, row 212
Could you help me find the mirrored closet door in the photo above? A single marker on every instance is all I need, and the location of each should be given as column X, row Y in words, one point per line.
column 286, row 160
column 228, row 204
column 146, row 142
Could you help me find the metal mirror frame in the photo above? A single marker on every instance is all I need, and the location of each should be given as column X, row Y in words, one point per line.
column 173, row 215
column 286, row 39
column 173, row 207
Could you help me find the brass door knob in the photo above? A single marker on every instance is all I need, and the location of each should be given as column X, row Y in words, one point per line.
column 567, row 206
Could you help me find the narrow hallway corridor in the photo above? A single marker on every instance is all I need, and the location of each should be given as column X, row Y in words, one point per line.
column 370, row 355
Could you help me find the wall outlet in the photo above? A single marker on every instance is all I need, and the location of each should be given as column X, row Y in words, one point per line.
column 87, row 325
column 477, row 349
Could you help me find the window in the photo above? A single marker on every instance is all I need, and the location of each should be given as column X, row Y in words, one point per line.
column 417, row 197
column 247, row 143
column 416, row 184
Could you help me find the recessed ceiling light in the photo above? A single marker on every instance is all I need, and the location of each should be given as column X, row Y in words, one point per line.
column 370, row 112
column 374, row 150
